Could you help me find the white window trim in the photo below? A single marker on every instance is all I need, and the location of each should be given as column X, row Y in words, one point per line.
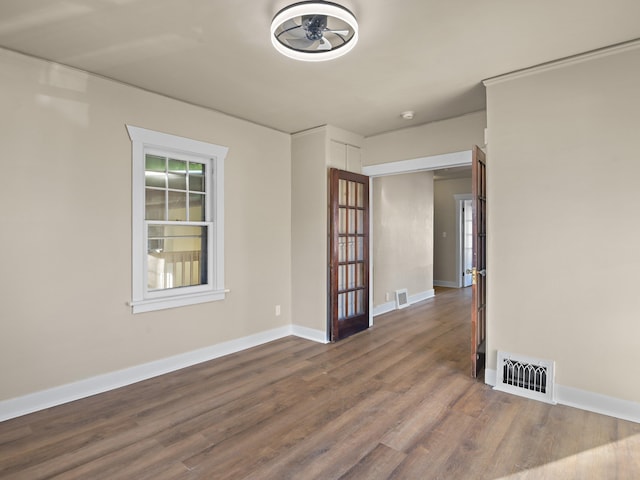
column 142, row 140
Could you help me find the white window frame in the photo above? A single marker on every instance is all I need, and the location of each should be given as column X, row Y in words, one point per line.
column 148, row 141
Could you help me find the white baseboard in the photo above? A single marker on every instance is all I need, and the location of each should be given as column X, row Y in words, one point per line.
column 51, row 397
column 598, row 403
column 490, row 377
column 585, row 400
column 445, row 283
column 391, row 306
column 384, row 308
column 418, row 297
column 309, row 334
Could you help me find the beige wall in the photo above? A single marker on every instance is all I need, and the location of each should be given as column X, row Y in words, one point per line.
column 563, row 192
column 447, row 136
column 309, row 229
column 445, row 249
column 313, row 152
column 402, row 234
column 66, row 242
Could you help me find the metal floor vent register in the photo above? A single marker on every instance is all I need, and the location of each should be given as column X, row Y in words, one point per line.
column 527, row 377
column 402, row 298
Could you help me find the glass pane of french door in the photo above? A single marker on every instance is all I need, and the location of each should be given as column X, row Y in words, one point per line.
column 350, row 237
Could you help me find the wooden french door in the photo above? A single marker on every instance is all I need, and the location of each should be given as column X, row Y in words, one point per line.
column 348, row 253
column 479, row 272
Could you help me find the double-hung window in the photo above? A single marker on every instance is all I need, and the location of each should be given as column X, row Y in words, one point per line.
column 177, row 231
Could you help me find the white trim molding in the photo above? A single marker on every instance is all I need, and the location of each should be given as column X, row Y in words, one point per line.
column 598, row 403
column 391, row 306
column 585, row 400
column 490, row 376
column 419, row 297
column 384, row 308
column 307, row 333
column 446, row 160
column 582, row 57
column 16, row 407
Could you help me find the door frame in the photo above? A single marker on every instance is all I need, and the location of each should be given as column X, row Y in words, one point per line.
column 460, row 199
column 422, row 164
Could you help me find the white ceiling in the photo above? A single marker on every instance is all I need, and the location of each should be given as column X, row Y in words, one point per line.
column 424, row 55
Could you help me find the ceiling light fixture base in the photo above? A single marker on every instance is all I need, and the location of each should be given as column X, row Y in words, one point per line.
column 314, row 31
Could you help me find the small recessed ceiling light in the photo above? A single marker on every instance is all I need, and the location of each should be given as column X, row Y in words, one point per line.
column 407, row 115
column 314, row 31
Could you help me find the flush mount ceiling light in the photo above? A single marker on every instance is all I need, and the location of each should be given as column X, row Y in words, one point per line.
column 314, row 31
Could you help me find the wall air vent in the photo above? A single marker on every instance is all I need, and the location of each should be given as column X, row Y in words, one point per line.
column 402, row 298
column 528, row 377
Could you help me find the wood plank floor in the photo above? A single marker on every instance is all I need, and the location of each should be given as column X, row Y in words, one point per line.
column 394, row 402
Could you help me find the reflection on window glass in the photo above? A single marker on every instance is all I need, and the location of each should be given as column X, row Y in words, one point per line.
column 342, row 249
column 155, row 171
column 360, row 275
column 352, row 221
column 341, row 306
column 360, row 302
column 351, row 306
column 155, row 204
column 175, row 189
column 177, row 174
column 196, row 177
column 352, row 275
column 196, row 207
column 352, row 193
column 342, row 192
column 342, row 220
column 177, row 206
column 176, row 256
column 352, row 249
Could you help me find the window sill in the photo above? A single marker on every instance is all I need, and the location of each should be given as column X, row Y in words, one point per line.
column 141, row 306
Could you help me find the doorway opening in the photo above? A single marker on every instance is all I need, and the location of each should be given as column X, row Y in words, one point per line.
column 450, row 161
column 464, row 238
column 471, row 213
